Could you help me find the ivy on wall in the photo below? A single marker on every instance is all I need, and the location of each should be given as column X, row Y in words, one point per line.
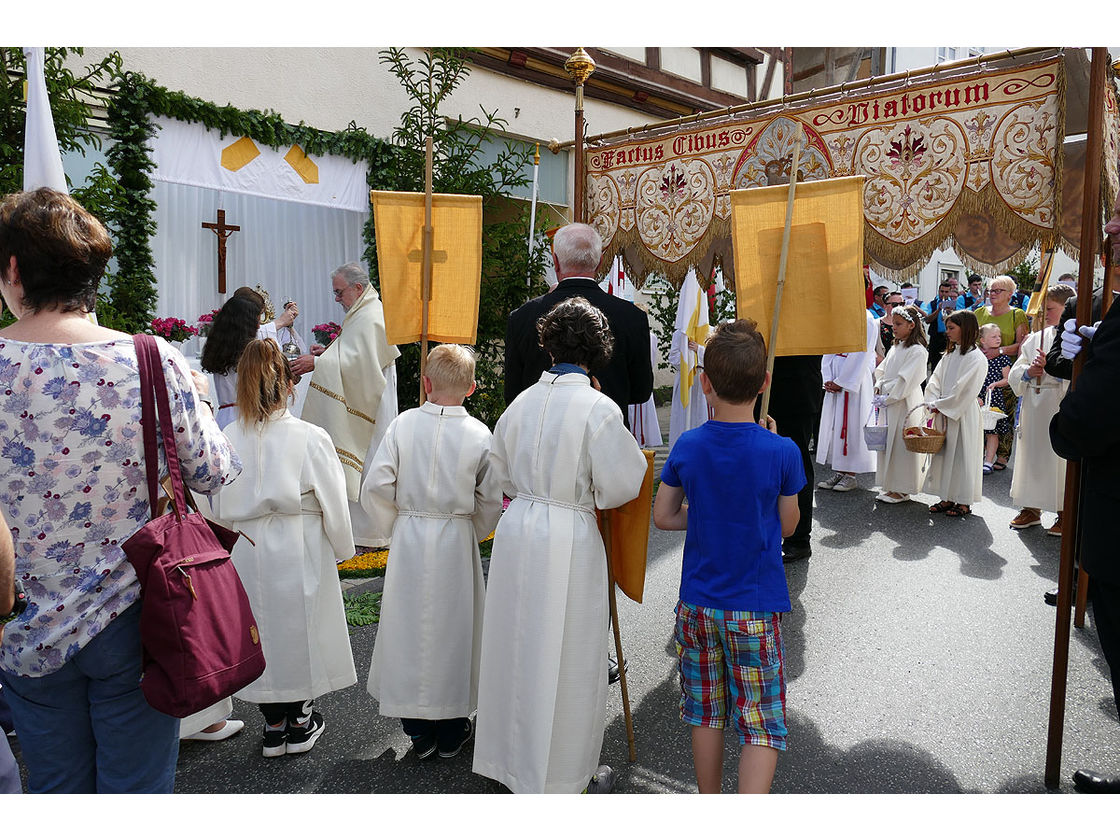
column 135, row 101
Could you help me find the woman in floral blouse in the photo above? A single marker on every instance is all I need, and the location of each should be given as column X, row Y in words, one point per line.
column 73, row 489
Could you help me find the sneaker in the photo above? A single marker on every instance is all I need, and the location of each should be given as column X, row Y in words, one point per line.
column 450, row 746
column 424, row 745
column 1055, row 530
column 829, row 483
column 275, row 742
column 303, row 738
column 846, row 483
column 1026, row 518
column 602, row 781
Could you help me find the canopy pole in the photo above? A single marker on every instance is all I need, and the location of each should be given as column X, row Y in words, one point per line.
column 783, row 259
column 426, row 265
column 1090, row 234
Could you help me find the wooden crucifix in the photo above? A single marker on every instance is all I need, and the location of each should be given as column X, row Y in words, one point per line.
column 222, row 230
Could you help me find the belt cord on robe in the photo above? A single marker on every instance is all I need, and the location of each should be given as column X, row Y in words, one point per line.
column 844, row 428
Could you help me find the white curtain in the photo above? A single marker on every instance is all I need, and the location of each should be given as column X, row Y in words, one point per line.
column 289, row 248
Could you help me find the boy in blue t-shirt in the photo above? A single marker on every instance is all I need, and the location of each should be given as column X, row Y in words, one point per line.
column 741, row 480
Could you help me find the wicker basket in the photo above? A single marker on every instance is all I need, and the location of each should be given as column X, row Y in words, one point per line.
column 929, row 438
column 990, row 416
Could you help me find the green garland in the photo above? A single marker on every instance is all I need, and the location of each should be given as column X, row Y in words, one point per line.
column 135, row 100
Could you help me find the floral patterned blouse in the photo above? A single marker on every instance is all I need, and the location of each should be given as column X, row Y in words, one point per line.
column 73, row 485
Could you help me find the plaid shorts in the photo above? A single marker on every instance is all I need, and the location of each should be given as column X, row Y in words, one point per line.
column 737, row 652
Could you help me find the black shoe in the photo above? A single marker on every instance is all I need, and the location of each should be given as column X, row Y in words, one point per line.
column 1051, row 596
column 275, row 743
column 1087, row 781
column 424, row 745
column 792, row 553
column 613, row 674
column 602, row 781
column 451, row 744
column 303, row 738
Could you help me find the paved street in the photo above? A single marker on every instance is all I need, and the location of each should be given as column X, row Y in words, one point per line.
column 917, row 658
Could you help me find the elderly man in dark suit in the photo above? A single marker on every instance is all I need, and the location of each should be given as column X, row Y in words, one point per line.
column 628, row 377
column 1085, row 429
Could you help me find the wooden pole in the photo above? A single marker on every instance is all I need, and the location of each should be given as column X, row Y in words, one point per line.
column 606, row 531
column 772, row 345
column 426, row 264
column 1090, row 223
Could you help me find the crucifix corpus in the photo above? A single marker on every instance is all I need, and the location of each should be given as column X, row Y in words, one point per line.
column 222, row 230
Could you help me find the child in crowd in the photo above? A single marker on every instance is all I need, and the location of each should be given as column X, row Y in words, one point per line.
column 898, row 380
column 560, row 450
column 1038, row 482
column 847, row 404
column 290, row 505
column 431, row 486
column 954, row 472
column 733, row 586
column 994, row 382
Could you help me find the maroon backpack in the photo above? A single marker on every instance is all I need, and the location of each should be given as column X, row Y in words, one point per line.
column 199, row 636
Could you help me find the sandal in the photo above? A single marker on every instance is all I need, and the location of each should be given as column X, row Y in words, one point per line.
column 941, row 507
column 999, row 465
column 958, row 510
column 988, row 468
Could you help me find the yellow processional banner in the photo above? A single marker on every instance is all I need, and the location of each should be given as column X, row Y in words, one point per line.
column 456, row 265
column 823, row 301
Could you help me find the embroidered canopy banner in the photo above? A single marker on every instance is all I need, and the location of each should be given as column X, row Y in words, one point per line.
column 973, row 159
column 398, row 219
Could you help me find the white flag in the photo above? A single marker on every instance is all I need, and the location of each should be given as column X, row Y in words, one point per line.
column 42, row 161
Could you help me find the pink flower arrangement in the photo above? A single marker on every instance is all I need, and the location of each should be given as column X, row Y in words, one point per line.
column 326, row 333
column 208, row 317
column 173, row 329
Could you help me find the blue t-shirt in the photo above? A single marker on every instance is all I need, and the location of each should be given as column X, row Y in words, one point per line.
column 733, row 474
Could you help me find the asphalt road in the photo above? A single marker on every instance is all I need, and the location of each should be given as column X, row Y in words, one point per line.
column 918, row 658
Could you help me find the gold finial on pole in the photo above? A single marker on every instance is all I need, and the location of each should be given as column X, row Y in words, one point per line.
column 579, row 66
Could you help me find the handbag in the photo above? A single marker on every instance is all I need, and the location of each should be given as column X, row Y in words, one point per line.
column 199, row 636
column 874, row 435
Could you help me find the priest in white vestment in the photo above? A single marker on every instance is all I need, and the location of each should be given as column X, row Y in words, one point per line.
column 431, row 486
column 353, row 392
column 848, row 389
column 955, row 473
column 686, row 353
column 1039, row 478
column 560, row 451
column 898, row 380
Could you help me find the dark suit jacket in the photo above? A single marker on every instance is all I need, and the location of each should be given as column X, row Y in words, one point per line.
column 1056, row 365
column 796, row 388
column 1087, row 428
column 627, row 379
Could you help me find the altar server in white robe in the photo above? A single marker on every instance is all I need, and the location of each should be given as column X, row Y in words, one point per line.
column 955, row 473
column 686, row 354
column 898, row 383
column 643, row 417
column 291, row 507
column 848, row 387
column 431, row 486
column 560, row 451
column 1038, row 481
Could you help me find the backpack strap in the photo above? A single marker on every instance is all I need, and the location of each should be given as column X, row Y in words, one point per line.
column 155, row 406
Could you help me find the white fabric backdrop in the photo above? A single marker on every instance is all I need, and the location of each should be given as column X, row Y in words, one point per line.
column 288, row 248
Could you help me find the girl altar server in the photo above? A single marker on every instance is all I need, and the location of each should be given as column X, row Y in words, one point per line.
column 847, row 403
column 290, row 503
column 431, row 487
column 560, row 451
column 899, row 381
column 1038, row 482
column 955, row 472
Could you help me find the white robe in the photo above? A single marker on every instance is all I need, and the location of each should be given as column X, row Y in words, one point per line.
column 899, row 379
column 366, row 532
column 291, row 502
column 843, row 414
column 1039, row 477
column 430, row 485
column 644, row 424
column 955, row 472
column 560, row 450
column 681, row 417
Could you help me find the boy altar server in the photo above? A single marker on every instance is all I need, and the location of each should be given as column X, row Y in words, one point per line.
column 430, row 484
column 848, row 389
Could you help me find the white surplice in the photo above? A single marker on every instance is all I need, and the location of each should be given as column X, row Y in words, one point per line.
column 291, row 502
column 955, row 472
column 899, row 379
column 644, row 424
column 840, row 436
column 560, row 450
column 1039, row 477
column 430, row 485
